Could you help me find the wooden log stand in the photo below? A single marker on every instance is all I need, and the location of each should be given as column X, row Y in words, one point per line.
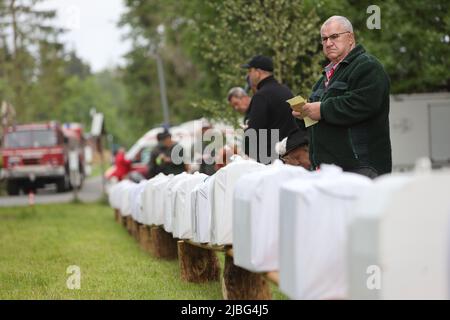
column 117, row 216
column 164, row 245
column 273, row 276
column 197, row 264
column 135, row 230
column 130, row 225
column 145, row 239
column 240, row 284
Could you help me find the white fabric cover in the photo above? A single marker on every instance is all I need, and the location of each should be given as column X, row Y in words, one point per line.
column 202, row 202
column 115, row 192
column 111, row 192
column 148, row 199
column 157, row 207
column 132, row 192
column 135, row 195
column 256, row 216
column 169, row 200
column 182, row 212
column 222, row 213
column 314, row 220
column 125, row 205
column 401, row 236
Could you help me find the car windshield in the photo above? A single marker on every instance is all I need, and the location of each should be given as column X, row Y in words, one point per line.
column 31, row 139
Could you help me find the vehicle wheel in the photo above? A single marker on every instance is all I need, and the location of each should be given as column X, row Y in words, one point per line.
column 29, row 188
column 12, row 188
column 62, row 184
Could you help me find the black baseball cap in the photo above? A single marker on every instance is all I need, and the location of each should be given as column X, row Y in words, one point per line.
column 296, row 139
column 260, row 62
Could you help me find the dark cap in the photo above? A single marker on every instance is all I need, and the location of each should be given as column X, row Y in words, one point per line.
column 260, row 62
column 296, row 139
column 162, row 135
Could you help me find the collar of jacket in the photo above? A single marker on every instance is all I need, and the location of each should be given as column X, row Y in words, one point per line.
column 356, row 51
column 265, row 81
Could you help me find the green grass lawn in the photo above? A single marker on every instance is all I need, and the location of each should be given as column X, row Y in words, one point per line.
column 37, row 245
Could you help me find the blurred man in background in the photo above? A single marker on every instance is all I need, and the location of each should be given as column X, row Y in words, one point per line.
column 268, row 111
column 123, row 166
column 207, row 164
column 161, row 157
column 224, row 156
column 239, row 101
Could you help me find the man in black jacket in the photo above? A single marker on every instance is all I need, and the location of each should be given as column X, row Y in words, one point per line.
column 269, row 113
column 161, row 157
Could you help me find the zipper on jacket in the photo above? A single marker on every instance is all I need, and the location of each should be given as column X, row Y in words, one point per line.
column 351, row 144
column 314, row 148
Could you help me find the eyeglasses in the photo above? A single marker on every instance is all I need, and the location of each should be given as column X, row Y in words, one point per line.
column 333, row 37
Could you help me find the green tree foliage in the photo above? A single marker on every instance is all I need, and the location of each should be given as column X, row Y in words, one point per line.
column 77, row 67
column 141, row 77
column 205, row 43
column 234, row 31
column 26, row 35
column 47, row 93
column 45, row 82
column 239, row 29
column 105, row 92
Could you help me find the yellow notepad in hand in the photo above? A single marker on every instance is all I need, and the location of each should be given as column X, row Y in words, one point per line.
column 297, row 104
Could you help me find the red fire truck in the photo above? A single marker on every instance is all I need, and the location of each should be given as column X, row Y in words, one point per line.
column 38, row 154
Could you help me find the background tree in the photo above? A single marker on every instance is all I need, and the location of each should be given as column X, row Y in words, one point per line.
column 26, row 34
column 46, row 82
column 153, row 26
column 205, row 42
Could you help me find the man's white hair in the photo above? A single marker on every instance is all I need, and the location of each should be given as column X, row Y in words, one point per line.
column 343, row 21
column 280, row 147
column 237, row 92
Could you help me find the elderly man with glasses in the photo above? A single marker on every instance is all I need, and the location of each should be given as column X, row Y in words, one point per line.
column 351, row 103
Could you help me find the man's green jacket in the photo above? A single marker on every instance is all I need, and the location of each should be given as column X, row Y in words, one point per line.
column 353, row 131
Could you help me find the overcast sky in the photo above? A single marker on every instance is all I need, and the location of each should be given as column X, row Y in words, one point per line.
column 93, row 30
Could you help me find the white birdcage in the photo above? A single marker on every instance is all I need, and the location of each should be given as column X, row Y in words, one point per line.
column 182, row 212
column 224, row 183
column 399, row 243
column 316, row 213
column 256, row 213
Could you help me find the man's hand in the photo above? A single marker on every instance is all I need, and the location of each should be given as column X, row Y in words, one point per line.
column 162, row 158
column 311, row 110
column 167, row 159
